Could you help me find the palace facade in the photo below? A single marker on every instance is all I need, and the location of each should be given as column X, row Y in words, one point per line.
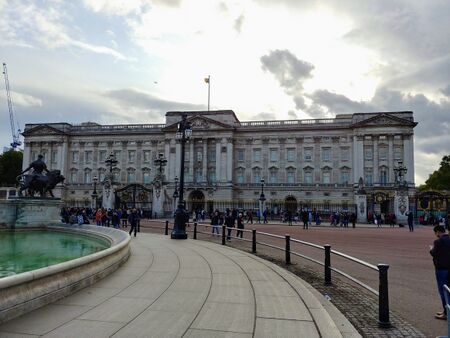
column 322, row 164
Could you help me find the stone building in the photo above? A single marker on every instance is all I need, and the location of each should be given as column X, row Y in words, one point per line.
column 329, row 165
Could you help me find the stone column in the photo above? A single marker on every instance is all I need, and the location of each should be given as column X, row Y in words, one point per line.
column 167, row 156
column 218, row 162
column 408, row 157
column 376, row 176
column 205, row 159
column 26, row 155
column 358, row 158
column 229, row 160
column 391, row 158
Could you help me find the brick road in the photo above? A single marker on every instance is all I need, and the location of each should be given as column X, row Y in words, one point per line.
column 412, row 290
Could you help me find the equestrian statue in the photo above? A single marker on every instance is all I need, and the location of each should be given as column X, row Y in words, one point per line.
column 37, row 181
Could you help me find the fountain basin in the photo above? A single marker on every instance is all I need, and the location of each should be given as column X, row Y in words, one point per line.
column 26, row 291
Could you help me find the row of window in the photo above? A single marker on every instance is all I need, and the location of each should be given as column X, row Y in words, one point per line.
column 273, row 177
column 382, row 153
column 274, row 154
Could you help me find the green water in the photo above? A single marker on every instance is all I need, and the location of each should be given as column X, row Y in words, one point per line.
column 22, row 251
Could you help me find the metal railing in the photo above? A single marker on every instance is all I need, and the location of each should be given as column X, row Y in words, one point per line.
column 382, row 293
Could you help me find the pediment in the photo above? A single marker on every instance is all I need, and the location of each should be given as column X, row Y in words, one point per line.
column 200, row 122
column 42, row 129
column 383, row 120
column 308, row 167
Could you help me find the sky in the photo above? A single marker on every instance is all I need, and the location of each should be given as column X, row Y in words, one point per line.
column 131, row 61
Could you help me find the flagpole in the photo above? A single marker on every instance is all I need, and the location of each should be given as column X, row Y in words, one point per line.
column 209, row 84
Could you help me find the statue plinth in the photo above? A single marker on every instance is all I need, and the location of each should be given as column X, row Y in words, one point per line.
column 30, row 212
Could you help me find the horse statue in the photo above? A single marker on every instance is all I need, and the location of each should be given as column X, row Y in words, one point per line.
column 41, row 184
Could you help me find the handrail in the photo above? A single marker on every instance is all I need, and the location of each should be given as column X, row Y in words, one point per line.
column 356, row 260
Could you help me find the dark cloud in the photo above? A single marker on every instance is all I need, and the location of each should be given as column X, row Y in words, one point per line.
column 145, row 103
column 292, row 115
column 336, row 103
column 446, row 90
column 287, row 69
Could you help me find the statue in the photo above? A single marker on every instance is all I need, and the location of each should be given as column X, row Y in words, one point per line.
column 37, row 181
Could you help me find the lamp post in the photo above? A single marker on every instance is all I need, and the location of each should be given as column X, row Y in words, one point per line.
column 175, row 193
column 262, row 198
column 160, row 162
column 184, row 132
column 94, row 193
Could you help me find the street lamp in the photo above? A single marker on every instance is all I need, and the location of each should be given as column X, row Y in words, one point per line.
column 160, row 162
column 400, row 173
column 175, row 193
column 184, row 132
column 262, row 198
column 94, row 193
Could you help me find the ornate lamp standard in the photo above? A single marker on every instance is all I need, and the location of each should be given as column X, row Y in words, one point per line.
column 111, row 161
column 160, row 162
column 400, row 173
column 262, row 198
column 94, row 193
column 184, row 132
column 108, row 201
column 175, row 193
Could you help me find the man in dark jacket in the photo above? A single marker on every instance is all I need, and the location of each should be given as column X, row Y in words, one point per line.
column 133, row 219
column 440, row 250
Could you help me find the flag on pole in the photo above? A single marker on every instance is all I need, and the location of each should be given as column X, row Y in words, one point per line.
column 207, row 79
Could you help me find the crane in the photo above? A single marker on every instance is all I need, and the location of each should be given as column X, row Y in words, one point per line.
column 15, row 133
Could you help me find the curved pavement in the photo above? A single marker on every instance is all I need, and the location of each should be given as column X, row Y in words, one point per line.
column 186, row 288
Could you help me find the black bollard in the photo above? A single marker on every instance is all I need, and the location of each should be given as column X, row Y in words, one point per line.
column 195, row 230
column 254, row 240
column 166, row 231
column 327, row 264
column 288, row 249
column 223, row 235
column 383, row 297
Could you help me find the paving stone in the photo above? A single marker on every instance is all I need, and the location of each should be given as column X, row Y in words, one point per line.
column 85, row 328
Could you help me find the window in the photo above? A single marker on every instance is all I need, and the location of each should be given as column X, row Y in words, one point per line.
column 102, row 156
column 326, row 177
column 368, row 177
column 101, row 174
column 368, row 153
column 212, row 176
column 308, row 177
column 117, row 155
column 290, row 177
column 240, row 176
column 88, row 156
column 382, row 153
column 273, row 155
column 383, row 176
column 326, row 154
column 397, row 153
column 199, row 155
column 116, row 175
column 73, row 176
column 131, row 156
column 54, row 156
column 256, row 155
column 212, row 155
column 257, row 176
column 198, row 175
column 131, row 176
column 345, row 154
column 146, row 177
column 74, row 156
column 44, row 153
column 345, row 177
column 147, row 156
column 240, row 155
column 273, row 176
column 290, row 155
column 33, row 156
column 87, row 177
column 308, row 154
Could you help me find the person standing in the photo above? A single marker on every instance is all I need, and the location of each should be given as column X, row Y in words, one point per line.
column 305, row 219
column 133, row 219
column 410, row 221
column 215, row 223
column 229, row 223
column 240, row 225
column 440, row 251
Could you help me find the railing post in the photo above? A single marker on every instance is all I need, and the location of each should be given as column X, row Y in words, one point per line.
column 383, row 297
column 223, row 234
column 166, row 231
column 288, row 249
column 195, row 230
column 253, row 240
column 327, row 264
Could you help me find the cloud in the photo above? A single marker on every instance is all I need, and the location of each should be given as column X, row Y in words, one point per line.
column 292, row 115
column 238, row 23
column 144, row 103
column 47, row 26
column 264, row 116
column 25, row 100
column 287, row 68
column 446, row 91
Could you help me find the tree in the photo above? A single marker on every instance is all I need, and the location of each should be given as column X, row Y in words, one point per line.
column 440, row 179
column 10, row 167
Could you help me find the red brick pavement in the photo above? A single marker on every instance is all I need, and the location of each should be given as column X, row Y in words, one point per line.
column 412, row 286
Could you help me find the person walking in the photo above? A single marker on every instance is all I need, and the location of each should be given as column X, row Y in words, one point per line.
column 305, row 219
column 410, row 221
column 133, row 219
column 440, row 251
column 240, row 225
column 229, row 223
